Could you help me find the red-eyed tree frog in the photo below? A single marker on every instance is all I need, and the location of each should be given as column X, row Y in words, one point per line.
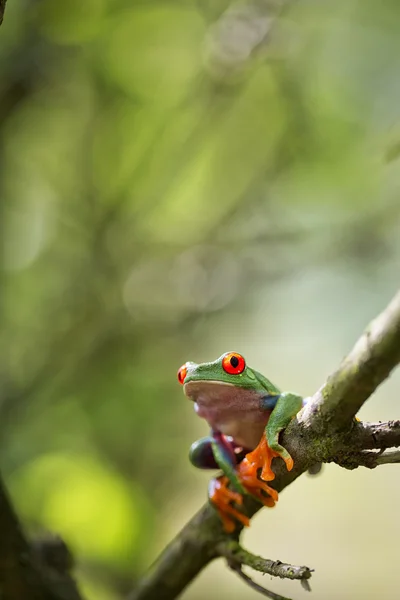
column 246, row 413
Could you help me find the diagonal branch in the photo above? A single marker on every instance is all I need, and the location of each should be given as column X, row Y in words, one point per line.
column 369, row 363
column 321, row 432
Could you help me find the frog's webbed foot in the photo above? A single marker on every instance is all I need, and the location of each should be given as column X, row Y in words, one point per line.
column 222, row 497
column 255, row 470
column 249, row 471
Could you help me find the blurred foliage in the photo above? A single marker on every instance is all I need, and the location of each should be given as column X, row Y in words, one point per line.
column 178, row 178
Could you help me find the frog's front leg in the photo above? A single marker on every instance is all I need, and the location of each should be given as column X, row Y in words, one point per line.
column 287, row 405
column 286, row 408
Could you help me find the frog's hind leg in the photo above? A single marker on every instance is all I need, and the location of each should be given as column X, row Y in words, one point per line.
column 222, row 497
column 201, row 454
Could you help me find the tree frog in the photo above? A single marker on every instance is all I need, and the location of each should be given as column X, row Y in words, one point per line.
column 246, row 413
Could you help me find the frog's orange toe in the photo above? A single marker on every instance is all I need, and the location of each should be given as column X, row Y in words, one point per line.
column 228, row 524
column 255, row 486
column 268, row 501
column 267, row 473
column 221, row 497
column 263, row 492
column 289, row 463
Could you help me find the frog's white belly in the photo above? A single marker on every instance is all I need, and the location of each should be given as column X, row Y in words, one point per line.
column 246, row 435
column 231, row 410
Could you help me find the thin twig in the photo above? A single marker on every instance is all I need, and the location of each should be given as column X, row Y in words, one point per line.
column 388, row 458
column 237, row 557
column 256, row 586
column 234, row 553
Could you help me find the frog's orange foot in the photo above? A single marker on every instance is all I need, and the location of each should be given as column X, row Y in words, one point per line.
column 221, row 497
column 248, row 476
column 255, row 470
column 260, row 490
column 249, row 470
column 261, row 458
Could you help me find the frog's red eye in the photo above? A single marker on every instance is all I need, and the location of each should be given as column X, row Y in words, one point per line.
column 182, row 374
column 233, row 363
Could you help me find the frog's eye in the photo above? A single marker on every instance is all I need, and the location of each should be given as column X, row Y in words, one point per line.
column 233, row 363
column 182, row 374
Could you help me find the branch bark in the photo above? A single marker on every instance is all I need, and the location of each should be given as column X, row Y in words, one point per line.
column 324, row 431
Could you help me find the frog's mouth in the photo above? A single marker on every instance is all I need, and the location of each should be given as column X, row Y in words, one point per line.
column 208, row 392
column 217, row 397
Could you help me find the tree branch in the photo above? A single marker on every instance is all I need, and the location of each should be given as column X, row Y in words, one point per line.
column 368, row 436
column 370, row 362
column 323, row 431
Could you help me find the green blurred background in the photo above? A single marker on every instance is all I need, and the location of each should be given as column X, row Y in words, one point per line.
column 178, row 179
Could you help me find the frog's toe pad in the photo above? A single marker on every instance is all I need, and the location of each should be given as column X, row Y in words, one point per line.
column 256, row 487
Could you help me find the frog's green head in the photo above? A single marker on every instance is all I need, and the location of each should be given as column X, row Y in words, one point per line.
column 228, row 395
column 228, row 369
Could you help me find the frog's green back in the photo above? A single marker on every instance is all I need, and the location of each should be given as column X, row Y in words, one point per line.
column 266, row 383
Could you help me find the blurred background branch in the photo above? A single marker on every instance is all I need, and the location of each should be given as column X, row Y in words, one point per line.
column 40, row 571
column 18, row 576
column 2, row 9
